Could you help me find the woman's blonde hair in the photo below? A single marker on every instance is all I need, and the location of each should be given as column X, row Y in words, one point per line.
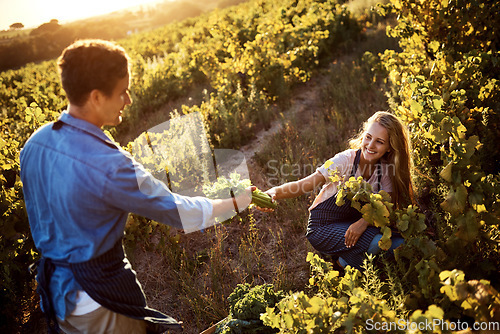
column 399, row 159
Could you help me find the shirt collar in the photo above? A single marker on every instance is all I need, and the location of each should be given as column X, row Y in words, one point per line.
column 86, row 127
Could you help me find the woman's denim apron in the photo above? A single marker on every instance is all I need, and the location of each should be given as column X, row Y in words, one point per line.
column 329, row 222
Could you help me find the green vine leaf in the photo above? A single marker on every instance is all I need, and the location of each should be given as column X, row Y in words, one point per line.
column 446, row 173
column 385, row 242
column 456, row 200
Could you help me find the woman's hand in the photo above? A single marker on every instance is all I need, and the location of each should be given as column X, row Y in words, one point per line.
column 271, row 192
column 354, row 232
column 295, row 188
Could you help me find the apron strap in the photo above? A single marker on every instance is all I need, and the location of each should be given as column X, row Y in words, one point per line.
column 379, row 176
column 45, row 267
column 356, row 162
column 378, row 170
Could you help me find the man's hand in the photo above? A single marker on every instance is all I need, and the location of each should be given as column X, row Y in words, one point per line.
column 354, row 232
column 243, row 200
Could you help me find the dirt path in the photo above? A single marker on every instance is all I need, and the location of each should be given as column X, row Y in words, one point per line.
column 302, row 105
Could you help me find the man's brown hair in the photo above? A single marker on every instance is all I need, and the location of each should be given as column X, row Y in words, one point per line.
column 91, row 64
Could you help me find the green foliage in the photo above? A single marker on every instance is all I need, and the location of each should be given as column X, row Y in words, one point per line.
column 223, row 187
column 246, row 305
column 370, row 302
column 444, row 84
column 478, row 299
column 247, row 57
column 377, row 209
column 347, row 303
column 17, row 249
column 447, row 88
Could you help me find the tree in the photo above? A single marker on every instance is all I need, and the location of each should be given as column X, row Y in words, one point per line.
column 50, row 27
column 17, row 25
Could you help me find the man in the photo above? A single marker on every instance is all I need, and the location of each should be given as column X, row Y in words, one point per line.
column 79, row 188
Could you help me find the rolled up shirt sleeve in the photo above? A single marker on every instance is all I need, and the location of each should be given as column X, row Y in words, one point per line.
column 132, row 188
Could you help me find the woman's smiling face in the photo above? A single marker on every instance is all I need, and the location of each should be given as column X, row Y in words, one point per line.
column 375, row 143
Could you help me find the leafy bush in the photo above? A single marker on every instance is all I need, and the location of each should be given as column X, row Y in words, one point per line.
column 447, row 90
column 246, row 304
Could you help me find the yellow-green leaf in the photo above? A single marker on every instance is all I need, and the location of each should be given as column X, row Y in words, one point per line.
column 340, row 198
column 416, row 108
column 456, row 200
column 435, row 312
column 480, row 208
column 461, row 130
column 468, row 227
column 437, row 103
column 476, row 198
column 434, row 46
column 438, row 135
column 376, row 213
column 385, row 242
column 385, row 196
column 402, row 225
column 328, row 164
column 446, row 173
column 471, row 145
column 444, row 275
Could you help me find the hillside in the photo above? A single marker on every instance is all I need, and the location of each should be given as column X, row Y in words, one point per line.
column 19, row 47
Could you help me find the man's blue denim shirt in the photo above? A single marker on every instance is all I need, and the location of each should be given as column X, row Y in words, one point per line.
column 79, row 188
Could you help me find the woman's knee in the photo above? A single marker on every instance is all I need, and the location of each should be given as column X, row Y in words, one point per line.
column 375, row 249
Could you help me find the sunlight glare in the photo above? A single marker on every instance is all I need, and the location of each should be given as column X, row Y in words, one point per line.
column 65, row 11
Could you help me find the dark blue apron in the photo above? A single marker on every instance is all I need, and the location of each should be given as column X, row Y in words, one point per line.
column 329, row 222
column 110, row 281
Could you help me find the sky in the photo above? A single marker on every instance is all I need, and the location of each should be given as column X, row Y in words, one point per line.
column 33, row 13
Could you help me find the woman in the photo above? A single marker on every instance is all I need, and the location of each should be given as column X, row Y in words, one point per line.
column 380, row 153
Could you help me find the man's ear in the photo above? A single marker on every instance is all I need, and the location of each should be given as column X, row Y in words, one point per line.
column 95, row 98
